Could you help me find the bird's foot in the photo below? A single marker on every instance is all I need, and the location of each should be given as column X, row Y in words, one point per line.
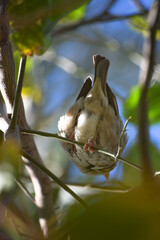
column 106, row 176
column 91, row 143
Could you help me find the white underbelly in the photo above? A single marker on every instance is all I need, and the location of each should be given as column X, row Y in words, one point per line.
column 86, row 126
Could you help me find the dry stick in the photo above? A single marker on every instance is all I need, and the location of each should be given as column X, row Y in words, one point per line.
column 25, row 190
column 99, row 188
column 55, row 178
column 18, row 92
column 56, row 136
column 145, row 78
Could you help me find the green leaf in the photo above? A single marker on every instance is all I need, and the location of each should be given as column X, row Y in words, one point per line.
column 33, row 22
column 31, row 40
column 131, row 104
column 154, row 100
column 75, row 15
column 140, row 24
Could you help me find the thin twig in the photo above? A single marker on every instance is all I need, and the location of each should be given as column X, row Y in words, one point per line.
column 24, row 189
column 52, row 135
column 55, row 178
column 109, row 5
column 18, row 92
column 56, row 136
column 139, row 4
column 130, row 164
column 99, row 188
column 145, row 78
column 121, row 137
column 103, row 17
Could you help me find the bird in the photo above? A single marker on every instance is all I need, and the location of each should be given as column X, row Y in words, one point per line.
column 94, row 121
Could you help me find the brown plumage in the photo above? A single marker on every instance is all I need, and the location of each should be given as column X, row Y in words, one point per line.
column 93, row 120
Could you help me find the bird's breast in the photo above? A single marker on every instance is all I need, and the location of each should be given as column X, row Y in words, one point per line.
column 86, row 126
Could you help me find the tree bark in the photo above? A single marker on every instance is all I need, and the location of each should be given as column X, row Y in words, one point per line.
column 41, row 182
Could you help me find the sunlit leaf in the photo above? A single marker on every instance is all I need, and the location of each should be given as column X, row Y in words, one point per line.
column 31, row 40
column 34, row 92
column 140, row 24
column 131, row 104
column 154, row 100
column 75, row 15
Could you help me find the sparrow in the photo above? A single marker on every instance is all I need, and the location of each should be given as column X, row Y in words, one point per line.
column 94, row 121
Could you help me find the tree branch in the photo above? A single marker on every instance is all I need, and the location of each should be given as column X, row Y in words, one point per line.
column 41, row 181
column 24, row 189
column 100, row 188
column 103, row 17
column 144, row 79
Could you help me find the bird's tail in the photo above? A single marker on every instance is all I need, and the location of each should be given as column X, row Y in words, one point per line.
column 101, row 69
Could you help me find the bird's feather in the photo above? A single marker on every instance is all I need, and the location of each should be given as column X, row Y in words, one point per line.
column 85, row 88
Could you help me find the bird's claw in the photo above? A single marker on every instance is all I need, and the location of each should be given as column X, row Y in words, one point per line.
column 106, row 176
column 88, row 146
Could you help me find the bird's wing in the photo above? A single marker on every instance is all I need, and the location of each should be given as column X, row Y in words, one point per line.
column 85, row 88
column 112, row 100
column 68, row 122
